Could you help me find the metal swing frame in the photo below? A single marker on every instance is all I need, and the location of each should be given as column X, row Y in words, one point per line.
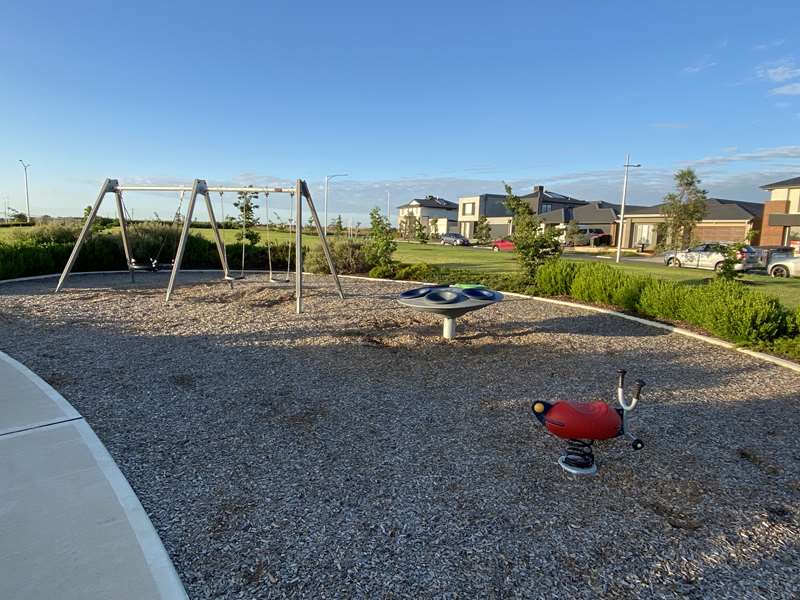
column 200, row 188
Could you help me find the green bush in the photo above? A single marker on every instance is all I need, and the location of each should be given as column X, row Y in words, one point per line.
column 663, row 299
column 600, row 283
column 382, row 271
column 349, row 256
column 48, row 234
column 416, row 272
column 555, row 277
column 734, row 312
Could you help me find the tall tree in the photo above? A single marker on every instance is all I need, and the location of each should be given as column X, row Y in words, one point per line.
column 683, row 209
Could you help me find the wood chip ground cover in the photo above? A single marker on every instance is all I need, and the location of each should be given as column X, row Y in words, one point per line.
column 350, row 452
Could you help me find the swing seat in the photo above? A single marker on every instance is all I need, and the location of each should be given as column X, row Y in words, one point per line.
column 148, row 266
column 579, row 421
column 234, row 277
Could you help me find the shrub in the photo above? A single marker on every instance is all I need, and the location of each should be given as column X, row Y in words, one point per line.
column 417, row 272
column 48, row 234
column 382, row 271
column 555, row 277
column 349, row 256
column 734, row 312
column 663, row 299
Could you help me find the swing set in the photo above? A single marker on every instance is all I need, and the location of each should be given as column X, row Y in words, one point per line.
column 200, row 188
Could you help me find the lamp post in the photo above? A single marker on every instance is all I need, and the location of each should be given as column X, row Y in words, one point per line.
column 621, row 228
column 327, row 179
column 27, row 196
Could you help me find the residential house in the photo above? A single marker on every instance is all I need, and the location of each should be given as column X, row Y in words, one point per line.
column 592, row 215
column 492, row 206
column 781, row 216
column 725, row 221
column 434, row 213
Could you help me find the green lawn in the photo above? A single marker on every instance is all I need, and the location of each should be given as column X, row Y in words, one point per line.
column 482, row 259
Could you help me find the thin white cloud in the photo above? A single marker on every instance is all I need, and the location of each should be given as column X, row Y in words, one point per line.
column 791, row 89
column 762, row 154
column 778, row 71
column 704, row 63
column 769, row 45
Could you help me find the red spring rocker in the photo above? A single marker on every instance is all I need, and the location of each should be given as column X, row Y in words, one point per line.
column 583, row 423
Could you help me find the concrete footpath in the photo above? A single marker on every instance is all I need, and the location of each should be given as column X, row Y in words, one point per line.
column 70, row 525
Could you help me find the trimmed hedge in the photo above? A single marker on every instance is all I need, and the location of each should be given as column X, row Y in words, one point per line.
column 104, row 252
column 728, row 309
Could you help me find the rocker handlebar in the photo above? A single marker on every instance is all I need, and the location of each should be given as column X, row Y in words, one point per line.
column 637, row 392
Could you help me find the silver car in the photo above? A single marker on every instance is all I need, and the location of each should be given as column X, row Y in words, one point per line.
column 710, row 256
column 784, row 265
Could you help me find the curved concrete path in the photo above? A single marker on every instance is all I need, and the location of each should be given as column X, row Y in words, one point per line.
column 70, row 525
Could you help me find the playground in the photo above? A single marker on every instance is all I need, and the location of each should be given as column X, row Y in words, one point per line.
column 350, row 451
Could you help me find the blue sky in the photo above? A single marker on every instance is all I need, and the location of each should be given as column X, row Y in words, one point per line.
column 446, row 98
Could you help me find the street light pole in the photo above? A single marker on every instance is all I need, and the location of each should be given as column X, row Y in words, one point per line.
column 621, row 228
column 27, row 196
column 388, row 209
column 327, row 179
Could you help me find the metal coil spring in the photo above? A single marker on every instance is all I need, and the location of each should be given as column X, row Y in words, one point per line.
column 579, row 454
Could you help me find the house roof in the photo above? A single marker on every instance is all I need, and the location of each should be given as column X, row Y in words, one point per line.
column 548, row 196
column 793, row 182
column 719, row 209
column 431, row 202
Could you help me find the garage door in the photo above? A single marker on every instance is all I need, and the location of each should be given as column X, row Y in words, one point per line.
column 498, row 231
column 720, row 233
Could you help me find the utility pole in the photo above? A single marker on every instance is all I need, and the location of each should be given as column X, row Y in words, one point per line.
column 327, row 179
column 388, row 209
column 27, row 195
column 621, row 228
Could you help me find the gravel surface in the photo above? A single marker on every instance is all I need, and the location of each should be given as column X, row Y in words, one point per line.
column 351, row 453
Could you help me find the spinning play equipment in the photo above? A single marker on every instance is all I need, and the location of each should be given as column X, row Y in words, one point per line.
column 583, row 423
column 449, row 301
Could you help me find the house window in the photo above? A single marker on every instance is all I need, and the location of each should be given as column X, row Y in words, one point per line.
column 793, row 238
column 547, row 207
column 469, row 209
column 644, row 233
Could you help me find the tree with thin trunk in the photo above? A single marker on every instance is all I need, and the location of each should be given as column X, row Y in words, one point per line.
column 683, row 209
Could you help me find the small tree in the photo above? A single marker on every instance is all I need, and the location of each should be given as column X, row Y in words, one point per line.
column 727, row 268
column 572, row 234
column 419, row 232
column 408, row 226
column 310, row 228
column 533, row 244
column 684, row 209
column 381, row 244
column 247, row 218
column 434, row 223
column 338, row 227
column 483, row 232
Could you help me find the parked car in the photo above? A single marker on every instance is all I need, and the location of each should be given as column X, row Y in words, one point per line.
column 504, row 245
column 453, row 239
column 600, row 239
column 711, row 256
column 784, row 265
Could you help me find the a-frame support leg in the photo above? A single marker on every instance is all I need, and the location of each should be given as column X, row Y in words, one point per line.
column 298, row 246
column 110, row 185
column 123, row 230
column 176, row 264
column 324, row 239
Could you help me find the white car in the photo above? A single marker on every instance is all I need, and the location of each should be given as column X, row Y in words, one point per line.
column 711, row 256
column 784, row 265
